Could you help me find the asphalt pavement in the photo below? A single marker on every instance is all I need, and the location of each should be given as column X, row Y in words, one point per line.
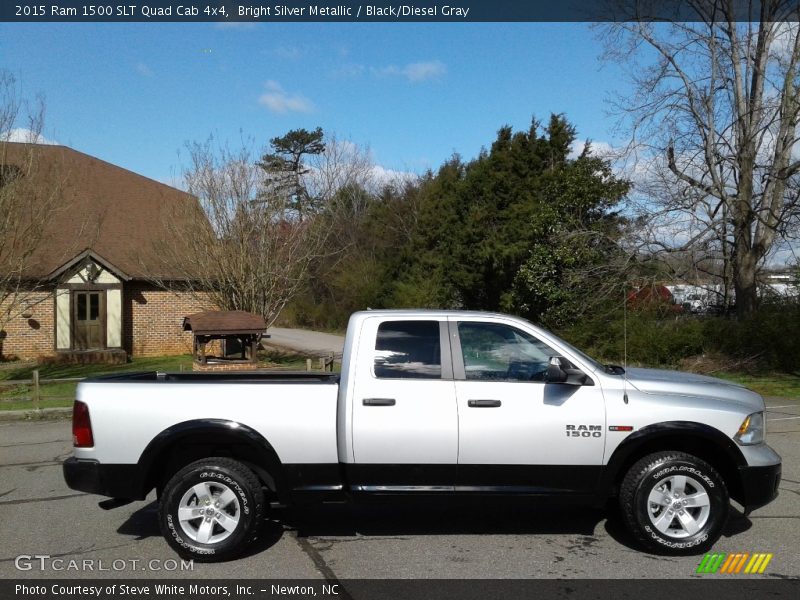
column 315, row 343
column 39, row 515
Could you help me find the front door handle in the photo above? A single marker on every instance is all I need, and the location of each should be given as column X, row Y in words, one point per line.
column 484, row 403
column 378, row 402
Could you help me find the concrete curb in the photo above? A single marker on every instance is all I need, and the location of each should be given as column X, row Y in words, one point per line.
column 45, row 414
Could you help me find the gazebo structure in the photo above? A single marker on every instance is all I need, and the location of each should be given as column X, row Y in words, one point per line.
column 238, row 333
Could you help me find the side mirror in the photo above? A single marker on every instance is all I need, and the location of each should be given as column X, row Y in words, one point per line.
column 560, row 371
column 555, row 372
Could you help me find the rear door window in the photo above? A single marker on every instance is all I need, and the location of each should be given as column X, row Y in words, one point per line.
column 408, row 350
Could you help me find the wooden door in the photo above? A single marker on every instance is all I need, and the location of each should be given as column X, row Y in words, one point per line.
column 87, row 320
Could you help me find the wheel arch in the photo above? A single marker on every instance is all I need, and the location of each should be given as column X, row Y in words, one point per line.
column 698, row 439
column 185, row 442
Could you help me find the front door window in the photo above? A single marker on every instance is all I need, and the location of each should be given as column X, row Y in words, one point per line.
column 497, row 352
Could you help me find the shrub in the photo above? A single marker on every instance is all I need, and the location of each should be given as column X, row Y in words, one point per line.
column 768, row 341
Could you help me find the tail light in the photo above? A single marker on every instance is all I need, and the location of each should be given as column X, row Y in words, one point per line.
column 81, row 426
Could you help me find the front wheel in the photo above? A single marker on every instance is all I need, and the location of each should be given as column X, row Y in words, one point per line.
column 674, row 503
column 210, row 510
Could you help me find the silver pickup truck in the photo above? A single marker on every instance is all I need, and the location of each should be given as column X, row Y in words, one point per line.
column 428, row 402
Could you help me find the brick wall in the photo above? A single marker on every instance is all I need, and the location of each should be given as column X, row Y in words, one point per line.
column 152, row 318
column 33, row 337
column 151, row 324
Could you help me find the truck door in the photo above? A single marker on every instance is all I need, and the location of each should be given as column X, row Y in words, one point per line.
column 516, row 432
column 405, row 422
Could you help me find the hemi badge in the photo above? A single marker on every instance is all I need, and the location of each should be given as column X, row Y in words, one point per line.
column 620, row 428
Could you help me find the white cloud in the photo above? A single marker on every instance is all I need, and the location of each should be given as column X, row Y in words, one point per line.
column 424, row 70
column 414, row 72
column 25, row 136
column 144, row 70
column 599, row 149
column 383, row 176
column 276, row 99
column 344, row 164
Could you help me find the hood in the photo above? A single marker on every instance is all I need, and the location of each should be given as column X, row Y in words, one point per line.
column 659, row 381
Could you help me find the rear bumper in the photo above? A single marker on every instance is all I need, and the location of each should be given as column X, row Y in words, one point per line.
column 759, row 485
column 115, row 481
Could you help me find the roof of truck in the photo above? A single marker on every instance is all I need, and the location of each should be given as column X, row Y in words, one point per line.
column 434, row 314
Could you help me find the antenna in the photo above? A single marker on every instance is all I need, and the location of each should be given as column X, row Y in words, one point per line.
column 625, row 344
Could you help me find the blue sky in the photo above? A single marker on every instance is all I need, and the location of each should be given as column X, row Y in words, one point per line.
column 134, row 94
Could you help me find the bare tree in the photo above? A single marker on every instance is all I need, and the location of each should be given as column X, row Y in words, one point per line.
column 29, row 195
column 342, row 178
column 243, row 246
column 713, row 123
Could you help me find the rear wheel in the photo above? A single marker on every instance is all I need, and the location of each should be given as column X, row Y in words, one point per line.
column 674, row 503
column 210, row 510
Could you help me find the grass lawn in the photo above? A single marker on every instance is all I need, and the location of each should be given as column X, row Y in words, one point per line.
column 61, row 394
column 784, row 385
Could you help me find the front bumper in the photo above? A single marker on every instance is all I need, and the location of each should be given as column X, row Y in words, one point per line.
column 115, row 481
column 759, row 485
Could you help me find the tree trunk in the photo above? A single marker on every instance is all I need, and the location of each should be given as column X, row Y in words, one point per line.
column 745, row 255
column 744, row 281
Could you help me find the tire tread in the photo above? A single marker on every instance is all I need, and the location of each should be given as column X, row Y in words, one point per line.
column 249, row 480
column 630, row 483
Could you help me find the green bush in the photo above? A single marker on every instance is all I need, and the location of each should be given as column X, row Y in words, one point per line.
column 653, row 340
column 769, row 341
column 771, row 338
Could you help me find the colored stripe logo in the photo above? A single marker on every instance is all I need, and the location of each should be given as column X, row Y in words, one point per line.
column 733, row 564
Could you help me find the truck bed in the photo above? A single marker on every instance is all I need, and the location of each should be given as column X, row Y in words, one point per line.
column 294, row 411
column 304, row 377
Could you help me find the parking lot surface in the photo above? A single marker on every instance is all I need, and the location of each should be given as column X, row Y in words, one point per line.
column 39, row 515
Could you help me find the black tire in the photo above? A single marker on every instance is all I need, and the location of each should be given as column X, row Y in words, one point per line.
column 674, row 519
column 230, row 495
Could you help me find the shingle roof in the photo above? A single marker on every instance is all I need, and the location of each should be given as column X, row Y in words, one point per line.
column 224, row 322
column 106, row 209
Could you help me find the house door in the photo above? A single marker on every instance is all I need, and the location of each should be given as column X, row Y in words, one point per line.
column 88, row 329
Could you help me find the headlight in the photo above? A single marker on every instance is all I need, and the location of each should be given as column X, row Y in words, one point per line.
column 751, row 431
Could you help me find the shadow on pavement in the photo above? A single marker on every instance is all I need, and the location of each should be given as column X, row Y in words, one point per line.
column 615, row 527
column 439, row 516
column 143, row 523
column 435, row 516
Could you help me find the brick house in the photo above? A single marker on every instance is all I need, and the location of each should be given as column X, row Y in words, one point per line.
column 90, row 291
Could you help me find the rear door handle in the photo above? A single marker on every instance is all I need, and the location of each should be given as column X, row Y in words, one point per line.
column 378, row 402
column 484, row 403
